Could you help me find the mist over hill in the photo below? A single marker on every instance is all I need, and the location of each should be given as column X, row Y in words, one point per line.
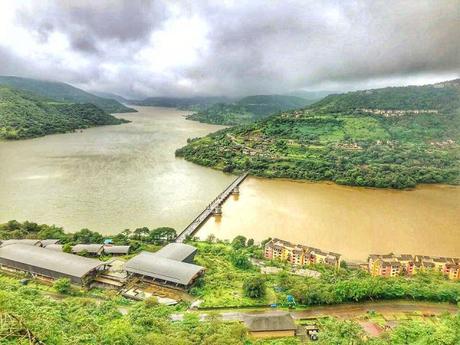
column 27, row 115
column 63, row 92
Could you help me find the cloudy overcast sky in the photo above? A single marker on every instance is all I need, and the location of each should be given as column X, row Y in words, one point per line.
column 185, row 48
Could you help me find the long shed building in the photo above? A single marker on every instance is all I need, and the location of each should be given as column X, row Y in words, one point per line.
column 49, row 263
column 166, row 266
column 178, row 252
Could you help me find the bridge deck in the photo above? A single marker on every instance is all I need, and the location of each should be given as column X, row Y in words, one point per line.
column 203, row 216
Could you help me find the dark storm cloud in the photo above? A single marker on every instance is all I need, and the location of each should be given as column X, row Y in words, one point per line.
column 274, row 47
column 251, row 47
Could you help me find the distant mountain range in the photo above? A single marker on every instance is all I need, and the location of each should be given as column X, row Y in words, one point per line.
column 180, row 102
column 392, row 137
column 232, row 111
column 62, row 92
column 247, row 109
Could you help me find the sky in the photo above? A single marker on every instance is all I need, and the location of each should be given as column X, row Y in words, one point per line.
column 140, row 48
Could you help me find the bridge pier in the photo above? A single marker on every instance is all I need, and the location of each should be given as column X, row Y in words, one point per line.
column 214, row 208
column 217, row 210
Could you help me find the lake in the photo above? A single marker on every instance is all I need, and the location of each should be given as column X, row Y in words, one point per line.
column 116, row 177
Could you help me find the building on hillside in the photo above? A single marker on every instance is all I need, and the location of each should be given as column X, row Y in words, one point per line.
column 452, row 271
column 116, row 250
column 28, row 242
column 299, row 255
column 390, row 265
column 272, row 325
column 167, row 266
column 90, row 249
column 49, row 264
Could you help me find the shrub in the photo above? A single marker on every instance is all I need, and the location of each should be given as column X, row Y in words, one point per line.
column 62, row 285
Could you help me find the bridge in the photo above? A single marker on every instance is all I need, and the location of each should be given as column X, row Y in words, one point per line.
column 215, row 207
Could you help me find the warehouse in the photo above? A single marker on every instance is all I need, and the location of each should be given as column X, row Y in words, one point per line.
column 89, row 249
column 110, row 249
column 21, row 241
column 166, row 266
column 152, row 267
column 270, row 325
column 49, row 264
column 178, row 252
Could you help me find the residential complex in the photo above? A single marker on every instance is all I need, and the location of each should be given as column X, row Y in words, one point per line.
column 298, row 254
column 391, row 265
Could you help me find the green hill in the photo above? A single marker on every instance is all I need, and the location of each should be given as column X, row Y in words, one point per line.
column 62, row 92
column 391, row 137
column 247, row 109
column 180, row 102
column 25, row 115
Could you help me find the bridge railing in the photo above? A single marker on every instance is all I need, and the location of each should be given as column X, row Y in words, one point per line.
column 208, row 210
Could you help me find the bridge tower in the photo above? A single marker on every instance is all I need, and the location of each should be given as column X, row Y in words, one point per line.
column 236, row 190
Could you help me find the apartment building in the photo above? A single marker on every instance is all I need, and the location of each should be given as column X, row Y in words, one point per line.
column 391, row 265
column 298, row 254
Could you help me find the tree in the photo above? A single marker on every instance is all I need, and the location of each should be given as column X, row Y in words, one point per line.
column 141, row 233
column 52, row 231
column 62, row 285
column 240, row 260
column 239, row 242
column 341, row 332
column 87, row 236
column 254, row 287
column 162, row 235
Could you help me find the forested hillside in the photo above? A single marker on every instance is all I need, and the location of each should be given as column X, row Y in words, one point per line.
column 62, row 92
column 25, row 115
column 247, row 109
column 180, row 102
column 391, row 137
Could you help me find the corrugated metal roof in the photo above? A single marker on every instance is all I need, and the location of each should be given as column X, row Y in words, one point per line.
column 156, row 266
column 65, row 263
column 176, row 251
column 57, row 247
column 90, row 248
column 109, row 249
column 23, row 241
column 269, row 322
column 47, row 242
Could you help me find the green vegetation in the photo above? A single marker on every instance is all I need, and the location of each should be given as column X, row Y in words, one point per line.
column 61, row 92
column 247, row 109
column 24, row 115
column 254, row 287
column 227, row 283
column 27, row 311
column 64, row 314
column 139, row 239
column 30, row 312
column 345, row 139
column 444, row 330
column 63, row 286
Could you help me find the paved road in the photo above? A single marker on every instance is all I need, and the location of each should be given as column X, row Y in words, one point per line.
column 345, row 311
